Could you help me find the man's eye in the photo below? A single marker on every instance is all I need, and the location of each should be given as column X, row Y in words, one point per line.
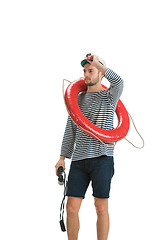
column 90, row 71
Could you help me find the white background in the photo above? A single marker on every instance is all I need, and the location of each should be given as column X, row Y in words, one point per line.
column 41, row 43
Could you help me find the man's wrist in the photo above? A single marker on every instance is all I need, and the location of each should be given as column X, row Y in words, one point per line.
column 62, row 158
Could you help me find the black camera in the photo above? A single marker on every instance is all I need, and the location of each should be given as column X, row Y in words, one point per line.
column 60, row 176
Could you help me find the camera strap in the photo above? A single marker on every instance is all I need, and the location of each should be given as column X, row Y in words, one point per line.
column 62, row 225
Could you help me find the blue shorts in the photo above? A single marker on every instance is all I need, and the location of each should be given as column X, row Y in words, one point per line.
column 99, row 170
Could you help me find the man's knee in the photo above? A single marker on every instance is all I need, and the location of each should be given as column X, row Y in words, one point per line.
column 101, row 206
column 73, row 205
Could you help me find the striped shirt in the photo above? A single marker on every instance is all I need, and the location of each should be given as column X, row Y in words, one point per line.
column 99, row 108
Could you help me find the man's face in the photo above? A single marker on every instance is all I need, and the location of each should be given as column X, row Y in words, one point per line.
column 91, row 75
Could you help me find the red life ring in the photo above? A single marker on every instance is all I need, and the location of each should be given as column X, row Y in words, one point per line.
column 114, row 135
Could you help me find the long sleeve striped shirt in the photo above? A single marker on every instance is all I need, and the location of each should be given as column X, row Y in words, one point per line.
column 99, row 108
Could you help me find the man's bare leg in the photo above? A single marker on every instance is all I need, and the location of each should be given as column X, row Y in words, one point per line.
column 102, row 218
column 72, row 207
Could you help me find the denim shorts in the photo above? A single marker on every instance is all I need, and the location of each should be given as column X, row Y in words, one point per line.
column 99, row 171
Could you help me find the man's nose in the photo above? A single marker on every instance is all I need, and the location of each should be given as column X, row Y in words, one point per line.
column 86, row 74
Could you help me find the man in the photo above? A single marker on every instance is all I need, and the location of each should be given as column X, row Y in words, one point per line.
column 91, row 160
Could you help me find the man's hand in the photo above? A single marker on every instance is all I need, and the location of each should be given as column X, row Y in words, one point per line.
column 92, row 59
column 60, row 163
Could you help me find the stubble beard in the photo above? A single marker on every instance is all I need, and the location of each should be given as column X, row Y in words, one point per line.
column 93, row 82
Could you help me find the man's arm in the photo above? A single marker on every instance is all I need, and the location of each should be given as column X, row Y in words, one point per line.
column 67, row 143
column 116, row 82
column 116, row 85
column 68, row 139
column 94, row 61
